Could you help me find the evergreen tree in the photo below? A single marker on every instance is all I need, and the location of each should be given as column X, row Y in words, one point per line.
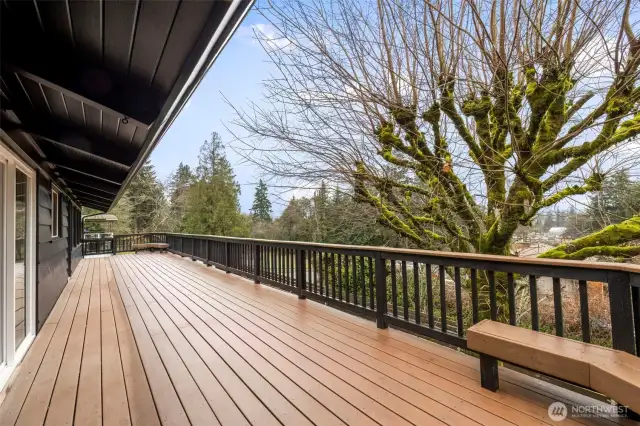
column 148, row 203
column 212, row 202
column 179, row 183
column 618, row 200
column 261, row 209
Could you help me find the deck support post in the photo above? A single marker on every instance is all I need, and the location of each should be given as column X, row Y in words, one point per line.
column 206, row 251
column 227, row 256
column 381, row 292
column 301, row 274
column 256, row 264
column 489, row 372
column 621, row 311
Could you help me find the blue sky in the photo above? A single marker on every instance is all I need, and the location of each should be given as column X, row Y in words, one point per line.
column 237, row 74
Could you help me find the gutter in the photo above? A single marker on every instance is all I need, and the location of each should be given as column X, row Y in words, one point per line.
column 234, row 16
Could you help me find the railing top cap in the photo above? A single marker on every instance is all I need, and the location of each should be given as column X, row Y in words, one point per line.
column 611, row 266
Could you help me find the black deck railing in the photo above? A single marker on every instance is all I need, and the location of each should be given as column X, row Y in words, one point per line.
column 435, row 294
column 118, row 243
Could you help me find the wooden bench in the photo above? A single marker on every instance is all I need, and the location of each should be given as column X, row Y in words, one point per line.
column 610, row 372
column 150, row 246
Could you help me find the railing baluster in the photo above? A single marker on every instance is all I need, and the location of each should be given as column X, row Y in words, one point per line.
column 371, row 284
column 557, row 305
column 320, row 274
column 429, row 296
column 355, row 280
column 443, row 299
column 315, row 271
column 474, row 296
column 405, row 290
column 381, row 291
column 300, row 272
column 584, row 311
column 458, row 287
column 511, row 296
column 533, row 294
column 394, row 289
column 416, row 291
column 493, row 305
column 256, row 263
column 340, row 276
column 346, row 279
column 333, row 275
column 363, row 288
column 326, row 274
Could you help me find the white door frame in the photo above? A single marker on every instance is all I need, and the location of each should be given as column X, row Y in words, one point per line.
column 13, row 355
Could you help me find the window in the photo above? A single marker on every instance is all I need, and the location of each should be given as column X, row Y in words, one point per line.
column 55, row 209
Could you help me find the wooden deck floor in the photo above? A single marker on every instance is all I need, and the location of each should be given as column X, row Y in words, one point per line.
column 154, row 339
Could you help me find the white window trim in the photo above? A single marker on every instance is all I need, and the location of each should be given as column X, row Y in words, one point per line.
column 55, row 225
column 14, row 357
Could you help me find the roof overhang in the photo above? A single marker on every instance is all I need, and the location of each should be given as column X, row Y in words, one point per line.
column 89, row 88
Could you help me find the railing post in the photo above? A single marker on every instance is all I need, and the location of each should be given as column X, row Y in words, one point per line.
column 621, row 317
column 381, row 291
column 256, row 264
column 206, row 251
column 227, row 256
column 301, row 274
column 113, row 245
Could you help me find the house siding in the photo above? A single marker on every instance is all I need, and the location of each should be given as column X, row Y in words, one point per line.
column 57, row 257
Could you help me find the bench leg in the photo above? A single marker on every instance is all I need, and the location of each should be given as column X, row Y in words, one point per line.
column 489, row 372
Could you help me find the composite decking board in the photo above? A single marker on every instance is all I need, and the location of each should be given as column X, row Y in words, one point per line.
column 324, row 395
column 19, row 389
column 539, row 410
column 369, row 388
column 115, row 404
column 542, row 401
column 223, row 406
column 170, row 408
column 425, row 388
column 354, row 362
column 89, row 397
column 152, row 339
column 250, row 405
column 63, row 401
column 36, row 403
column 277, row 404
column 142, row 409
column 202, row 390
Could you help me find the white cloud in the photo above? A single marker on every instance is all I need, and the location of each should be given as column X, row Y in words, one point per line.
column 270, row 38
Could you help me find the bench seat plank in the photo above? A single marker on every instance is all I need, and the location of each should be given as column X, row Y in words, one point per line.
column 619, row 380
column 613, row 373
column 541, row 352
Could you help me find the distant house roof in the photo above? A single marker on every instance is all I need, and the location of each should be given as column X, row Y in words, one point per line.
column 558, row 230
column 101, row 218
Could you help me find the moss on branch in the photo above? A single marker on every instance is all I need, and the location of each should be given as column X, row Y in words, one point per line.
column 606, row 242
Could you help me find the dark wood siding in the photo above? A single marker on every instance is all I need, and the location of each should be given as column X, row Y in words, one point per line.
column 57, row 257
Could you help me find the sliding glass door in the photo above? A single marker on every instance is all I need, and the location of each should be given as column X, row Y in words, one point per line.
column 17, row 260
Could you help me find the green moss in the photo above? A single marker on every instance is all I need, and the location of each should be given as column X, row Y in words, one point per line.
column 432, row 115
column 604, row 242
column 477, row 107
